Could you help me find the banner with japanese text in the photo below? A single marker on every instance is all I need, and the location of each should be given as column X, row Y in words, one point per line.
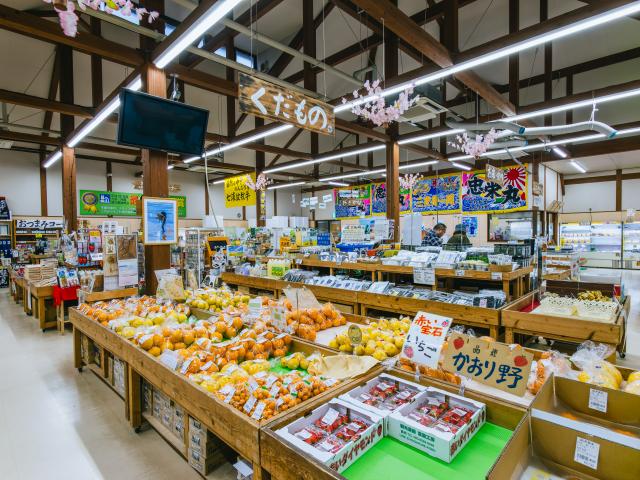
column 98, row 203
column 237, row 193
column 352, row 202
column 480, row 195
column 379, row 199
column 437, row 194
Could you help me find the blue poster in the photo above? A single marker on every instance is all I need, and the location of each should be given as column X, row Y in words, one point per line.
column 160, row 221
column 437, row 194
column 471, row 226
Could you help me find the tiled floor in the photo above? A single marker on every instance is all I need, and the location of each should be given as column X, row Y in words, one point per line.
column 58, row 423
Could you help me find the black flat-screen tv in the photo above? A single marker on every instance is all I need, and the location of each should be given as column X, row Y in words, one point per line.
column 158, row 124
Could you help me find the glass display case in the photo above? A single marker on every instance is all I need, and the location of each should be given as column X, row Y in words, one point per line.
column 576, row 235
column 505, row 227
column 600, row 243
column 631, row 245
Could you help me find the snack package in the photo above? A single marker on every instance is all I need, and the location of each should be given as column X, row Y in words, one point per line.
column 550, row 362
column 590, row 359
column 170, row 287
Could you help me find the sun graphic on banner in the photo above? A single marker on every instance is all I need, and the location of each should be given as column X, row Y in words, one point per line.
column 516, row 177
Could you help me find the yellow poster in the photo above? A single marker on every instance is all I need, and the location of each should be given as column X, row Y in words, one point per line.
column 236, row 192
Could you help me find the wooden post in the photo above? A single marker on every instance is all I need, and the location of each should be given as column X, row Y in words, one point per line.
column 514, row 60
column 206, row 196
column 156, row 182
column 548, row 61
column 231, row 76
column 618, row 190
column 43, row 187
column 260, row 213
column 96, row 67
column 569, row 91
column 392, row 150
column 275, row 203
column 67, row 124
column 310, row 83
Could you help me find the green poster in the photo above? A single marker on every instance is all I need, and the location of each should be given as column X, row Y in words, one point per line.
column 101, row 204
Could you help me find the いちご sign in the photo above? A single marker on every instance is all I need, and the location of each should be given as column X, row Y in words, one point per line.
column 492, row 363
column 237, row 193
column 268, row 100
column 425, row 338
column 118, row 204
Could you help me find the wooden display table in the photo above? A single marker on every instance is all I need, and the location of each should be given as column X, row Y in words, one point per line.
column 42, row 306
column 286, row 462
column 568, row 329
column 561, row 275
column 85, row 296
column 332, row 266
column 35, row 259
column 13, row 288
column 514, row 283
column 363, row 302
column 239, row 431
column 22, row 294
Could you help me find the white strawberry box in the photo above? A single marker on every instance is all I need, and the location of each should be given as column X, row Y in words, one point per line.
column 432, row 434
column 339, row 460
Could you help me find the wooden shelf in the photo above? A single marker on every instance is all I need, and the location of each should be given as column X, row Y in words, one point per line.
column 166, row 434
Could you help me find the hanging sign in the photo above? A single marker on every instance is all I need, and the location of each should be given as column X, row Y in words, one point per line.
column 481, row 195
column 425, row 338
column 379, row 199
column 437, row 194
column 268, row 100
column 118, row 204
column 39, row 225
column 237, row 193
column 492, row 363
column 352, row 202
column 495, row 175
column 5, row 214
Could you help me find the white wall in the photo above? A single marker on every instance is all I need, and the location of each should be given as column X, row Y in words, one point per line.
column 595, row 196
column 20, row 182
column 630, row 196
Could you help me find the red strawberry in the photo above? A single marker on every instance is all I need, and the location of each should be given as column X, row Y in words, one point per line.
column 458, row 343
column 520, row 361
column 408, row 351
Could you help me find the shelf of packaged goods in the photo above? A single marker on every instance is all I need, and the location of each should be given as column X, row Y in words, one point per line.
column 237, row 430
column 514, row 283
column 284, row 461
column 568, row 329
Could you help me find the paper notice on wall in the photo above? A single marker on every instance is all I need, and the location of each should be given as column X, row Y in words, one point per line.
column 327, row 198
column 322, row 205
column 313, row 201
column 128, row 272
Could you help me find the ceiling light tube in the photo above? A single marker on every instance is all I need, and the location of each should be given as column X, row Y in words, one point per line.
column 244, row 141
column 560, row 152
column 338, row 184
column 578, row 167
column 170, row 167
column 209, row 18
column 461, row 166
column 430, row 136
column 325, row 158
column 55, row 156
column 285, row 185
column 219, row 182
column 606, row 17
column 352, row 175
column 417, row 165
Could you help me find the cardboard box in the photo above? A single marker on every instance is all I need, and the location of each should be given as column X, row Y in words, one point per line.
column 147, row 396
column 119, row 374
column 435, row 442
column 161, row 404
column 202, row 464
column 205, row 442
column 360, row 394
column 178, row 422
column 348, row 454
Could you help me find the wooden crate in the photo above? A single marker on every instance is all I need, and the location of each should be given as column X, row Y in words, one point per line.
column 236, row 429
column 286, row 462
column 566, row 329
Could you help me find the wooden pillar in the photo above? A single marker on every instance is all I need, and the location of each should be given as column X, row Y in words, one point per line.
column 260, row 212
column 548, row 61
column 109, row 173
column 310, row 79
column 156, row 181
column 392, row 150
column 618, row 190
column 514, row 60
column 275, row 203
column 67, row 124
column 231, row 76
column 96, row 67
column 206, row 196
column 449, row 35
column 569, row 91
column 44, row 211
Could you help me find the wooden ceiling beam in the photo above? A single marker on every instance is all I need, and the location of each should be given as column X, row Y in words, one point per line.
column 25, row 100
column 30, row 138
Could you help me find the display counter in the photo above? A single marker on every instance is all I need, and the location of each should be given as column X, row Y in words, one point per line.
column 42, row 306
column 514, row 283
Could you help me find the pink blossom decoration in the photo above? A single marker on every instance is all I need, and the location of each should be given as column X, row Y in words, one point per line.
column 69, row 18
column 409, row 180
column 474, row 147
column 375, row 109
column 261, row 183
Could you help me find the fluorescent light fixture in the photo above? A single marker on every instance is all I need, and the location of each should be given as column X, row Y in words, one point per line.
column 352, row 175
column 430, row 136
column 55, row 156
column 417, row 165
column 461, row 166
column 170, row 167
column 218, row 182
column 578, row 167
column 560, row 152
column 324, row 158
column 338, row 184
column 285, row 185
column 611, row 15
column 112, row 106
column 199, row 28
column 574, row 105
column 628, row 131
column 244, row 141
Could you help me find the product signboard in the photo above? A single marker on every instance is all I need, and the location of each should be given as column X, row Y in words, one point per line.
column 118, row 204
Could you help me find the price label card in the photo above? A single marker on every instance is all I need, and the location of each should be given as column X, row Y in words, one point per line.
column 255, row 306
column 586, row 453
column 248, row 406
column 279, row 318
column 496, row 275
column 257, row 413
column 425, row 338
column 598, row 400
column 170, row 359
column 424, row 275
column 460, row 273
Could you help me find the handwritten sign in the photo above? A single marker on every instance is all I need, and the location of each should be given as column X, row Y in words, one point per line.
column 425, row 338
column 424, row 275
column 301, row 298
column 237, row 193
column 268, row 100
column 492, row 363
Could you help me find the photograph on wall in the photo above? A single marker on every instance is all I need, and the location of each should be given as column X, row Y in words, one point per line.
column 470, row 225
column 480, row 195
column 352, row 202
column 160, row 221
column 439, row 194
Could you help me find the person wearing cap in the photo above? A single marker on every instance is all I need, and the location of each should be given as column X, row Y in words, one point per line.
column 459, row 237
column 433, row 238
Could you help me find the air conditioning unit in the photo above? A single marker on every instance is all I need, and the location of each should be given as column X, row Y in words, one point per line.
column 428, row 106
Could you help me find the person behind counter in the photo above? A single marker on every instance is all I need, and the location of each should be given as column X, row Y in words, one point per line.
column 459, row 237
column 433, row 238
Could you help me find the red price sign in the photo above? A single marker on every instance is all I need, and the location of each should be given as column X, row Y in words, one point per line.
column 425, row 338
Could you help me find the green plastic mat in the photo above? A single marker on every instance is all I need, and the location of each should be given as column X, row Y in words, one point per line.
column 390, row 458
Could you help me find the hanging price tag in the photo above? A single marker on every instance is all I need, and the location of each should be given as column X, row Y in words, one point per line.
column 586, row 453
